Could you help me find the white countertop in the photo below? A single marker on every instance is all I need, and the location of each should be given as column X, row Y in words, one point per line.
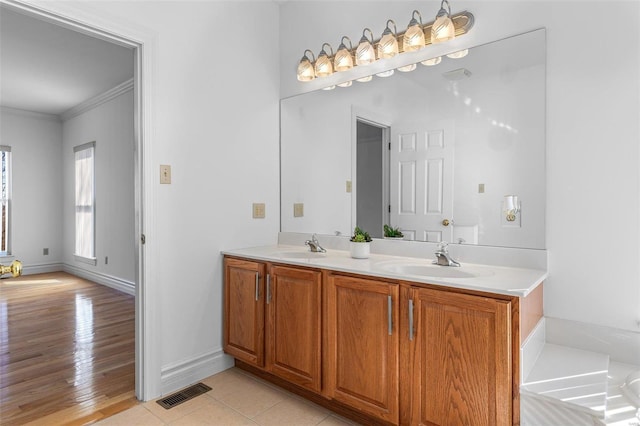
column 488, row 278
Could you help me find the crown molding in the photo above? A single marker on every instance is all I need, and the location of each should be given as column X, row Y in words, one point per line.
column 97, row 100
column 29, row 114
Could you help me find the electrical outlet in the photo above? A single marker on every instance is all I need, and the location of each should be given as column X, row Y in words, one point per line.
column 106, row 260
column 258, row 210
column 298, row 209
column 349, row 186
column 165, row 174
column 45, row 252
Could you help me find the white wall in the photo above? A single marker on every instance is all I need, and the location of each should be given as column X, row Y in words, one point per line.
column 214, row 103
column 592, row 132
column 110, row 126
column 36, row 212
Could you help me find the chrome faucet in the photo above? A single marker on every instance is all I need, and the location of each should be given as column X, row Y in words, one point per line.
column 314, row 245
column 442, row 256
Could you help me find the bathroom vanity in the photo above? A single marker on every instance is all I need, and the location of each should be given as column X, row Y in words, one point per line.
column 384, row 340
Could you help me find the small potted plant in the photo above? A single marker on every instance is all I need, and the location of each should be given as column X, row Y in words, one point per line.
column 392, row 233
column 359, row 245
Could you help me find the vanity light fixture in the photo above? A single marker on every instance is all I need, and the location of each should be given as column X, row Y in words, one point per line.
column 443, row 28
column 511, row 207
column 344, row 59
column 323, row 66
column 306, row 71
column 416, row 37
column 388, row 44
column 365, row 53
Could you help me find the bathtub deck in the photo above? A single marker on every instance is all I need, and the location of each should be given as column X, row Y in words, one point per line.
column 572, row 377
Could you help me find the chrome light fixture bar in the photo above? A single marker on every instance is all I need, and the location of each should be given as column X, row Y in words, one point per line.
column 444, row 27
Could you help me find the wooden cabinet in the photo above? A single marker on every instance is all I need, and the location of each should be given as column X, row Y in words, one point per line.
column 294, row 325
column 461, row 359
column 273, row 319
column 362, row 344
column 244, row 283
column 376, row 350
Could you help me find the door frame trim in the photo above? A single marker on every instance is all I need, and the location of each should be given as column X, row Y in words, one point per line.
column 377, row 120
column 84, row 19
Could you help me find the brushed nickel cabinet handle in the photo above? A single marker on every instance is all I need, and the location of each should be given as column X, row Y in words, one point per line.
column 257, row 286
column 390, row 313
column 410, row 319
column 268, row 289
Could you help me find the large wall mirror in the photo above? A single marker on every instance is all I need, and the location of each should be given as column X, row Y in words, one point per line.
column 444, row 152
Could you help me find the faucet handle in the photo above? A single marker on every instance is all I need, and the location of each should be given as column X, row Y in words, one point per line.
column 442, row 246
column 314, row 238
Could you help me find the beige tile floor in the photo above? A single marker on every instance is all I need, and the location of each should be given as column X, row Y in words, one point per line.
column 235, row 398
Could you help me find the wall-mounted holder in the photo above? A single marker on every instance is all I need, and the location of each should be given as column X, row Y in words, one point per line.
column 511, row 209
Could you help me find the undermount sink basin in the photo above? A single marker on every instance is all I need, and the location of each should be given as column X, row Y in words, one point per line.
column 300, row 255
column 427, row 270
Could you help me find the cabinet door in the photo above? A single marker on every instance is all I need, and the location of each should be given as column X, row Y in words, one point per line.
column 244, row 310
column 362, row 345
column 462, row 359
column 294, row 302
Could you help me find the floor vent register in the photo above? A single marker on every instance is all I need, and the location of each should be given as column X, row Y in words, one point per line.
column 184, row 395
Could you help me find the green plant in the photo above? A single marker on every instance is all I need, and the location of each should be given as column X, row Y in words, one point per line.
column 392, row 232
column 360, row 236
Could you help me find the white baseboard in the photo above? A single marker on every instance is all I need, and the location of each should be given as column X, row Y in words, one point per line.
column 185, row 373
column 621, row 345
column 42, row 268
column 114, row 282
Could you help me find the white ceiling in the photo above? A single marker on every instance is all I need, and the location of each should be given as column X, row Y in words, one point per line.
column 49, row 69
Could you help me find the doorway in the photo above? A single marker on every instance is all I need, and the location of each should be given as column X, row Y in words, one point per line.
column 372, row 176
column 141, row 121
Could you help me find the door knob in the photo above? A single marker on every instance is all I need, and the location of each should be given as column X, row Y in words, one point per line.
column 447, row 222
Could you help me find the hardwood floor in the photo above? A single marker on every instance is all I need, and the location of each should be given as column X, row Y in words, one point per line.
column 67, row 350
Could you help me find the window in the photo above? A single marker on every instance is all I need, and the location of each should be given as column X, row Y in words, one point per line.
column 5, row 158
column 85, row 203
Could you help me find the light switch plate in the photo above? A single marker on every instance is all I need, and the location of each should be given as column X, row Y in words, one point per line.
column 165, row 174
column 349, row 186
column 298, row 209
column 481, row 188
column 258, row 210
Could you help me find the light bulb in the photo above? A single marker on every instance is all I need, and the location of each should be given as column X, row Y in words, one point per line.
column 433, row 61
column 345, row 84
column 388, row 44
column 305, row 68
column 343, row 60
column 387, row 73
column 365, row 53
column 459, row 54
column 324, row 67
column 365, row 79
column 443, row 28
column 414, row 36
column 408, row 68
